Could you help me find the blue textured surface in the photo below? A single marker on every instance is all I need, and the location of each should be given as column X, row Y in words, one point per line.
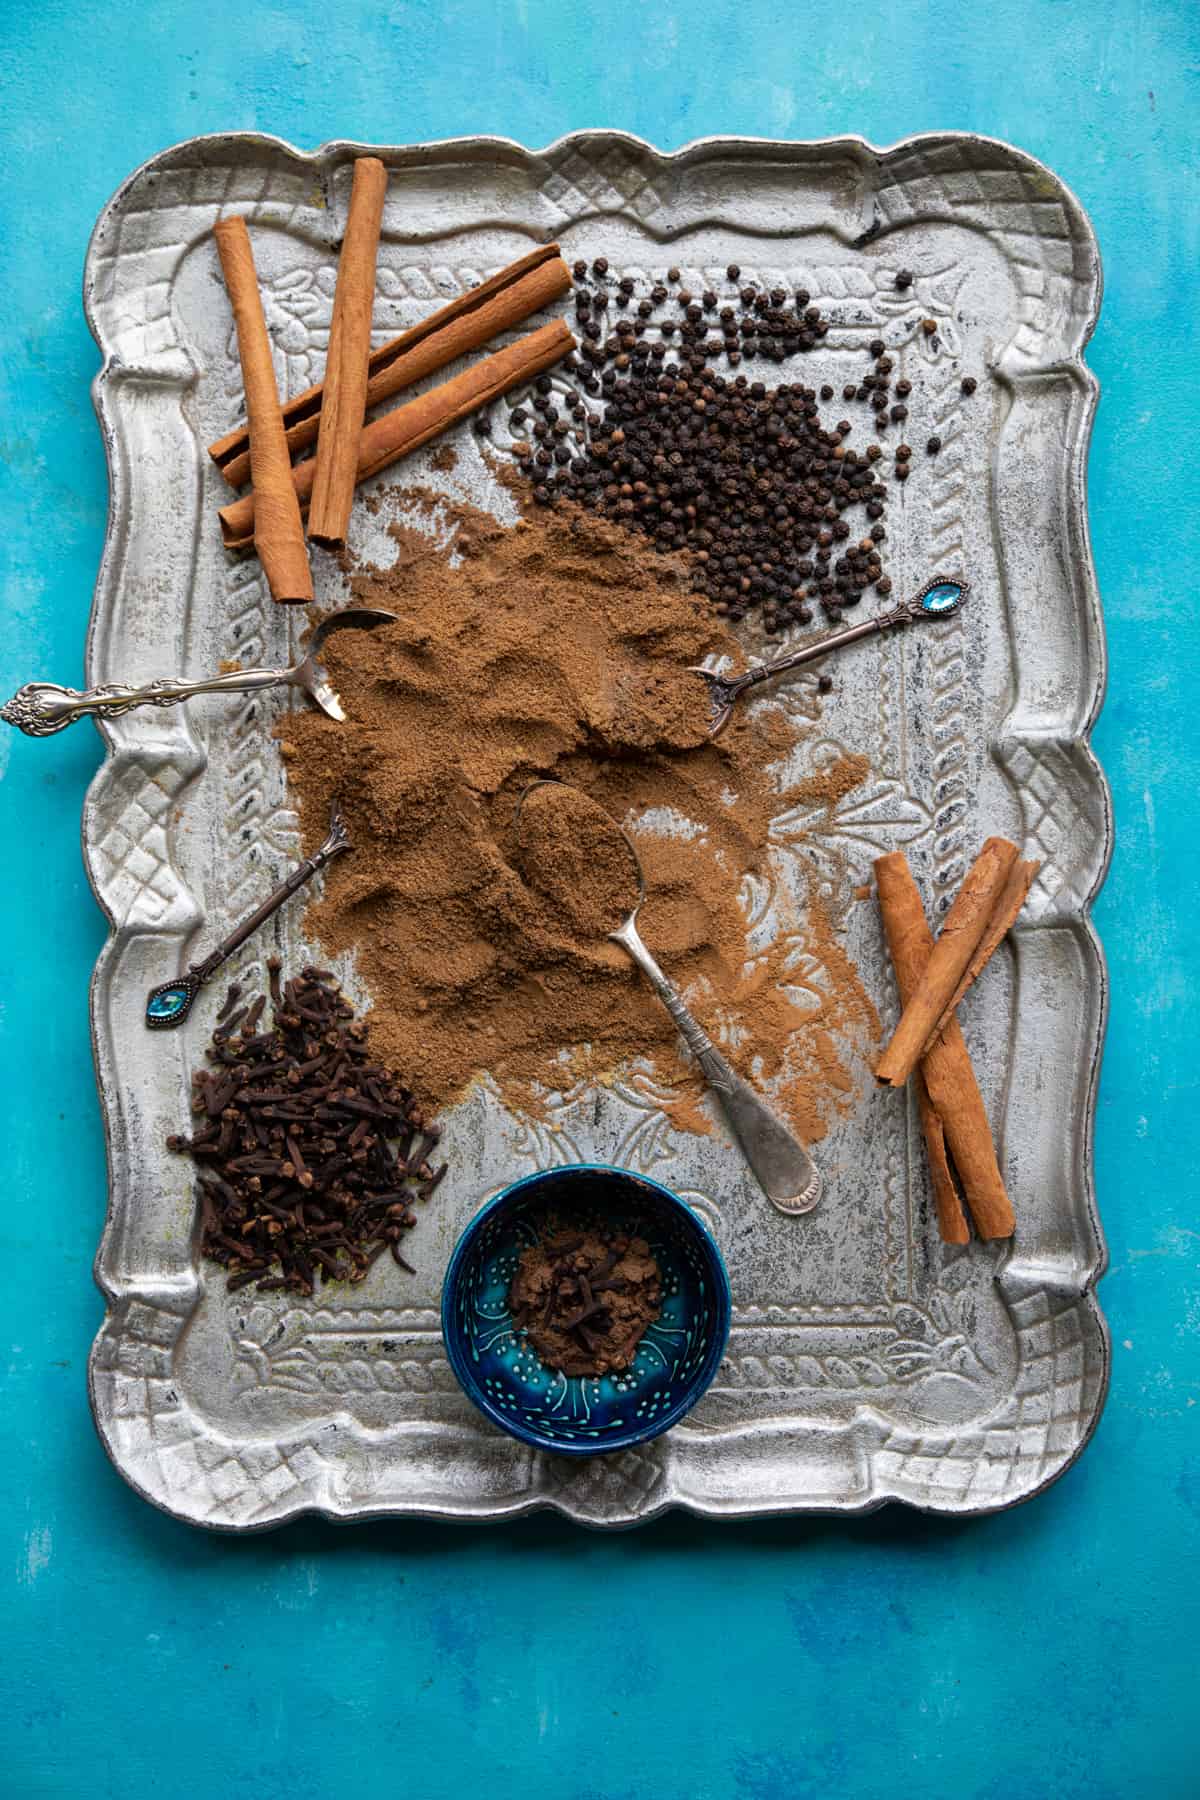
column 1049, row 1650
column 677, row 1359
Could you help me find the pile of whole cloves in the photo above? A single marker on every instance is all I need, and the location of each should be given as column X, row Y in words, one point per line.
column 309, row 1156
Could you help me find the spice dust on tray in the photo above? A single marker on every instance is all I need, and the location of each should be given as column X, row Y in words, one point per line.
column 559, row 648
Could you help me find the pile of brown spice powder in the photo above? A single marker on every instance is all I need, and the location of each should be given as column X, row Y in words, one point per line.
column 559, row 648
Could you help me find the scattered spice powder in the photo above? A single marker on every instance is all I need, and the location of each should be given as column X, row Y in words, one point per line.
column 586, row 1299
column 559, row 648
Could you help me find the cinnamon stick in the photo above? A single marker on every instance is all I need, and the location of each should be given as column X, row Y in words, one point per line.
column 344, row 404
column 964, row 926
column 952, row 1220
column 908, row 941
column 946, row 1068
column 1012, row 899
column 466, row 324
column 387, row 439
column 277, row 532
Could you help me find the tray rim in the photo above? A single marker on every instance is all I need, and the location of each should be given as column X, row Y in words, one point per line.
column 321, row 160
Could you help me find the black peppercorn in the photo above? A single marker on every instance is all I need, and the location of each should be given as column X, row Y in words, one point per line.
column 600, row 266
column 903, row 389
column 934, row 445
column 876, row 347
column 969, row 384
column 825, row 682
column 904, row 279
column 579, row 269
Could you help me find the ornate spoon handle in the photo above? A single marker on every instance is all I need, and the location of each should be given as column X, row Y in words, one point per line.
column 170, row 1003
column 784, row 1169
column 41, row 708
column 937, row 599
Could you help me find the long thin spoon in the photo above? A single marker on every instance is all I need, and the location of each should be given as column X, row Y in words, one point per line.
column 41, row 708
column 169, row 1004
column 784, row 1169
column 936, row 600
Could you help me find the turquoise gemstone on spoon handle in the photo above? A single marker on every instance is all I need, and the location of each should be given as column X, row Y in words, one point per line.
column 942, row 597
column 169, row 1004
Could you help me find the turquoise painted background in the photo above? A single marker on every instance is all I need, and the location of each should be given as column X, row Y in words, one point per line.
column 1048, row 1651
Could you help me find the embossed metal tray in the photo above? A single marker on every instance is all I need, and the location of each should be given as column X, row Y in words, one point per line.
column 867, row 1361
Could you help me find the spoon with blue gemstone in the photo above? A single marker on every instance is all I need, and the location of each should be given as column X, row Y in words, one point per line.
column 170, row 1003
column 936, row 600
column 41, row 708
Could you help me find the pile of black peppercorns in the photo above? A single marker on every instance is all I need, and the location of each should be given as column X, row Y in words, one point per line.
column 747, row 479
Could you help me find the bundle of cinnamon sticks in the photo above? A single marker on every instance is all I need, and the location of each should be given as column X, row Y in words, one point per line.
column 332, row 415
column 928, row 1044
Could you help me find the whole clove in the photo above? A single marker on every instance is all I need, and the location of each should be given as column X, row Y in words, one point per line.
column 313, row 1155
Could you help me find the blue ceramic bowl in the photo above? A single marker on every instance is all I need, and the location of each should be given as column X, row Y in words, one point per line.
column 581, row 1415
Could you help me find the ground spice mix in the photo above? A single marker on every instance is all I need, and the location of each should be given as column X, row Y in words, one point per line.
column 559, row 648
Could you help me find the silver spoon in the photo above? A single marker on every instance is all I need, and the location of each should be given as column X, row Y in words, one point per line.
column 170, row 1002
column 936, row 600
column 41, row 708
column 784, row 1169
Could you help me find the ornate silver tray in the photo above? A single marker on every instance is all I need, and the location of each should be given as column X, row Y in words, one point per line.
column 867, row 1361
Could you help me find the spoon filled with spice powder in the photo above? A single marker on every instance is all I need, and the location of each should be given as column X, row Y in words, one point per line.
column 581, row 861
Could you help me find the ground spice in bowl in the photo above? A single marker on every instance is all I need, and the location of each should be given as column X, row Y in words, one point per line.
column 586, row 1299
column 559, row 648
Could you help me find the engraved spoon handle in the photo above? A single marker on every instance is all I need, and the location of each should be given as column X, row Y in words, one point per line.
column 936, row 600
column 834, row 640
column 169, row 1004
column 337, row 840
column 41, row 708
column 784, row 1169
